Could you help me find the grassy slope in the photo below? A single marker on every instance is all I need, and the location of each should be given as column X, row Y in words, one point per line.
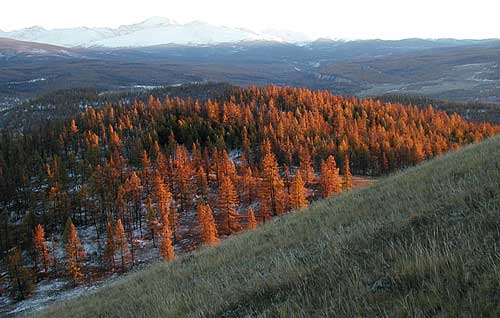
column 424, row 242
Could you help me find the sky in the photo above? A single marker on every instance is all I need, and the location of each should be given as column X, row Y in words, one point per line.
column 346, row 19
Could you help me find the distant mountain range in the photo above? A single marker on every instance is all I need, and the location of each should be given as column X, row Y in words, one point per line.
column 158, row 31
column 153, row 31
column 159, row 52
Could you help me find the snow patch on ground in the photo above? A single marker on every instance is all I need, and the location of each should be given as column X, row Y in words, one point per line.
column 35, row 80
column 48, row 292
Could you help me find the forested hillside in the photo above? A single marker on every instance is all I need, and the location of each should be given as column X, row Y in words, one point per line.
column 66, row 103
column 421, row 243
column 473, row 111
column 171, row 174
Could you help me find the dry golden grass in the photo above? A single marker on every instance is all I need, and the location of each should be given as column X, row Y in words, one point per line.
column 422, row 243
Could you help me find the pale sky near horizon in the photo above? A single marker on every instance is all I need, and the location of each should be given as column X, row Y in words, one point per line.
column 348, row 19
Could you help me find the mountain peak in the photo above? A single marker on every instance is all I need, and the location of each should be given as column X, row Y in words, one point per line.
column 156, row 21
column 34, row 28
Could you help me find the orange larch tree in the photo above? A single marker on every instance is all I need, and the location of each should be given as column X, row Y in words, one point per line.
column 160, row 162
column 298, row 197
column 252, row 222
column 347, row 176
column 272, row 187
column 122, row 244
column 306, row 167
column 41, row 249
column 161, row 195
column 202, row 183
column 75, row 254
column 330, row 181
column 227, row 203
column 166, row 247
column 227, row 166
column 74, row 128
column 207, row 224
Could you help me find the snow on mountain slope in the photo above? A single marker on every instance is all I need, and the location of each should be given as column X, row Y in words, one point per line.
column 154, row 22
column 287, row 35
column 191, row 33
column 153, row 31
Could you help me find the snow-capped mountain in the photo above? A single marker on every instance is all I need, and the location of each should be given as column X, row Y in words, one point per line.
column 193, row 33
column 153, row 31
